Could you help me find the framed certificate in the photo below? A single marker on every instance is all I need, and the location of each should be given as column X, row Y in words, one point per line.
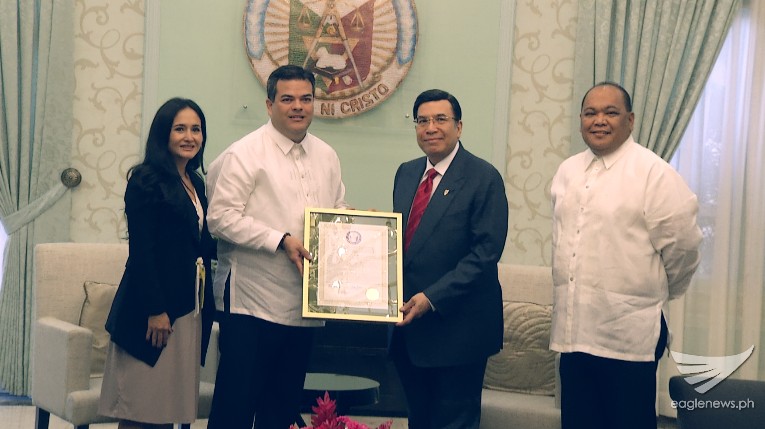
column 355, row 273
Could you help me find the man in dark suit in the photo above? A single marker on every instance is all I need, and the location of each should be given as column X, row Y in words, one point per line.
column 455, row 222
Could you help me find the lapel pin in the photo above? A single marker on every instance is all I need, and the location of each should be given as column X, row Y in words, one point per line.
column 446, row 192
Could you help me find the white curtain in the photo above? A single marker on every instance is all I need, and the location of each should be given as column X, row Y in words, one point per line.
column 722, row 157
column 36, row 91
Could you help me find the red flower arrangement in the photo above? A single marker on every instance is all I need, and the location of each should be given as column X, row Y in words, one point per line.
column 326, row 417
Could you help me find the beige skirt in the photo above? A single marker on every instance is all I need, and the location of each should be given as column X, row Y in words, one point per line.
column 168, row 392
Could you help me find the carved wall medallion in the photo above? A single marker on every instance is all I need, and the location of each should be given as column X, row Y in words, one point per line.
column 359, row 50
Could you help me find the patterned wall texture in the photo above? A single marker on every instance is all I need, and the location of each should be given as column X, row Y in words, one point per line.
column 540, row 124
column 107, row 113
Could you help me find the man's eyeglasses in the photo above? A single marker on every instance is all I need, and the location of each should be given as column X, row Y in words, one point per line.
column 422, row 121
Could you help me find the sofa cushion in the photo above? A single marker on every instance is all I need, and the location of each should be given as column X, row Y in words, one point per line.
column 95, row 309
column 525, row 364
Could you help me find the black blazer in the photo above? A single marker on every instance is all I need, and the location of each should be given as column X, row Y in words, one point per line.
column 164, row 243
column 453, row 258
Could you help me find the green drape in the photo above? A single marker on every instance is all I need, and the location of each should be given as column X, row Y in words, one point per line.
column 36, row 96
column 661, row 52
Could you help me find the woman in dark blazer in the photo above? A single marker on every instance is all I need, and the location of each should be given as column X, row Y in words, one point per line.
column 162, row 314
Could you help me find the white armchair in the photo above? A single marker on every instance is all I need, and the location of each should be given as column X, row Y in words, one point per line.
column 62, row 350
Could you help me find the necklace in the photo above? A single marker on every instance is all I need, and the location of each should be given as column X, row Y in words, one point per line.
column 189, row 189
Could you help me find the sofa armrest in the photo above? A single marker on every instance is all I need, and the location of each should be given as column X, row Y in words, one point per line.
column 60, row 362
column 211, row 361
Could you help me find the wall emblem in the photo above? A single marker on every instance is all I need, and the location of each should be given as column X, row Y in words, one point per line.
column 359, row 50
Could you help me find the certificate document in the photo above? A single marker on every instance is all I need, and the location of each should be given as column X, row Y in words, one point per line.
column 353, row 265
column 354, row 272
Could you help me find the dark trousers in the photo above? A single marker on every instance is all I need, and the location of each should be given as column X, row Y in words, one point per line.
column 260, row 374
column 601, row 393
column 441, row 397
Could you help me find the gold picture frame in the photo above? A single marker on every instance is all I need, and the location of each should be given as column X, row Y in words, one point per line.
column 356, row 268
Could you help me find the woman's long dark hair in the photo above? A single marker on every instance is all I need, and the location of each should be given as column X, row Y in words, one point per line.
column 157, row 155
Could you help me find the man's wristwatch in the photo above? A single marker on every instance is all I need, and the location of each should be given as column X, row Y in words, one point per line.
column 281, row 242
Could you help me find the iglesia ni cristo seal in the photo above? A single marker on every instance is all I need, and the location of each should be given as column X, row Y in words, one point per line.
column 359, row 50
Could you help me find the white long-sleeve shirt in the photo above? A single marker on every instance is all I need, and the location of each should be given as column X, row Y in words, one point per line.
column 258, row 190
column 625, row 240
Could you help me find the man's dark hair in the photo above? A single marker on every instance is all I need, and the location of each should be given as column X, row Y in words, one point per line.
column 625, row 94
column 437, row 95
column 288, row 72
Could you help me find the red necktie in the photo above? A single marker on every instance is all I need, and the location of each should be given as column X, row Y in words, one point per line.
column 421, row 198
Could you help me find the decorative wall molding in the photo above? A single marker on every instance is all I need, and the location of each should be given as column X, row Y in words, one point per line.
column 504, row 78
column 150, row 66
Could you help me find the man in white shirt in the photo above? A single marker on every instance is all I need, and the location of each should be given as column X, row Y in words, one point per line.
column 625, row 241
column 258, row 190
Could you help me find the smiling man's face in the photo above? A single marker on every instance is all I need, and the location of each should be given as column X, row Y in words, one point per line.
column 438, row 141
column 605, row 121
column 291, row 111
